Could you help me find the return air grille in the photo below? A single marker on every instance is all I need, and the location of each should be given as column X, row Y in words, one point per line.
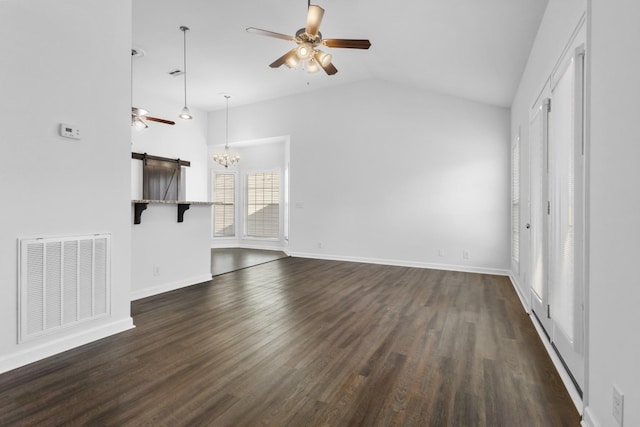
column 63, row 282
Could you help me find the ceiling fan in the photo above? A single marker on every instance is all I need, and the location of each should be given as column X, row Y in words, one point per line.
column 139, row 117
column 308, row 39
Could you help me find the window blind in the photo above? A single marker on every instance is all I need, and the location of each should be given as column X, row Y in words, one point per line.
column 515, row 202
column 263, row 204
column 224, row 205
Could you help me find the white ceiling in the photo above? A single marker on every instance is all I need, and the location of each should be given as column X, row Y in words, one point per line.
column 475, row 49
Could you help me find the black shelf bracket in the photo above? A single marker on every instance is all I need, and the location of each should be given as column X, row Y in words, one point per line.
column 182, row 208
column 138, row 209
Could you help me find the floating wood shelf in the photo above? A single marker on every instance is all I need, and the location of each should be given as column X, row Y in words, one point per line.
column 141, row 205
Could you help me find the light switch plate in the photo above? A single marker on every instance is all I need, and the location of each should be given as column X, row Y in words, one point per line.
column 618, row 405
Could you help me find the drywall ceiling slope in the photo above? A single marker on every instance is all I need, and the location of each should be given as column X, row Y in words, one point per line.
column 470, row 49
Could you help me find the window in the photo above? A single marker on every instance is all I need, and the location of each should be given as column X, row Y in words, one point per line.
column 224, row 189
column 263, row 204
column 515, row 202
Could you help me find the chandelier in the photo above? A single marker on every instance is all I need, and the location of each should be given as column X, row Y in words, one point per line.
column 226, row 159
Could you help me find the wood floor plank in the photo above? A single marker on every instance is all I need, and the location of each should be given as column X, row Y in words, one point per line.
column 300, row 342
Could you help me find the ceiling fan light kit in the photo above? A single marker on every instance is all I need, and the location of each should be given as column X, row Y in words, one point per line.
column 312, row 67
column 292, row 59
column 308, row 39
column 138, row 123
column 304, row 51
column 185, row 113
column 323, row 58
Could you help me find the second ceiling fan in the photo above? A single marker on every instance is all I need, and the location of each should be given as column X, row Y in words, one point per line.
column 139, row 116
column 308, row 39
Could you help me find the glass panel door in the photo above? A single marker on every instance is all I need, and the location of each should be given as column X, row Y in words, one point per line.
column 566, row 195
column 538, row 127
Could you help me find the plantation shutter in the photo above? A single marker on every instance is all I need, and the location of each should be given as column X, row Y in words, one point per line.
column 263, row 204
column 224, row 205
column 515, row 202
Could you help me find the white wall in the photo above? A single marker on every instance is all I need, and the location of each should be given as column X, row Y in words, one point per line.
column 387, row 173
column 167, row 254
column 64, row 61
column 558, row 24
column 614, row 348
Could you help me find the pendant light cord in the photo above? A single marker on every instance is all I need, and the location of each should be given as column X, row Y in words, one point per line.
column 184, row 52
column 226, row 138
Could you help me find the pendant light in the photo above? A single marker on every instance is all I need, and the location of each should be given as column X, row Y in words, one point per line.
column 226, row 159
column 185, row 114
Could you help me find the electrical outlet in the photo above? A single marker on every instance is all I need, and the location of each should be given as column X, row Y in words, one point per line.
column 618, row 405
column 156, row 270
column 440, row 252
column 319, row 245
column 465, row 254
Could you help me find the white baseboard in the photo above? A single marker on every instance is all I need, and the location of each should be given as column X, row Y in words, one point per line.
column 516, row 287
column 50, row 348
column 401, row 263
column 166, row 287
column 589, row 419
column 259, row 246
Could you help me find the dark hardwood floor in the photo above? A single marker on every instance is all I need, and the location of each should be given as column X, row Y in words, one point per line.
column 225, row 260
column 298, row 342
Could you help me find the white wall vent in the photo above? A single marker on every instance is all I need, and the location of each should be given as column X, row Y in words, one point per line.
column 62, row 282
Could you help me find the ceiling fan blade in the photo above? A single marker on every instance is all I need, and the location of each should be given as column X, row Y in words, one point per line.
column 260, row 32
column 283, row 59
column 314, row 18
column 155, row 119
column 348, row 43
column 330, row 69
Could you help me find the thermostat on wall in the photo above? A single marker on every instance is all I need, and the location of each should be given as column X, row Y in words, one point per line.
column 69, row 131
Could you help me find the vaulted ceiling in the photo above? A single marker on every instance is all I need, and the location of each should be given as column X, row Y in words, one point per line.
column 467, row 48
